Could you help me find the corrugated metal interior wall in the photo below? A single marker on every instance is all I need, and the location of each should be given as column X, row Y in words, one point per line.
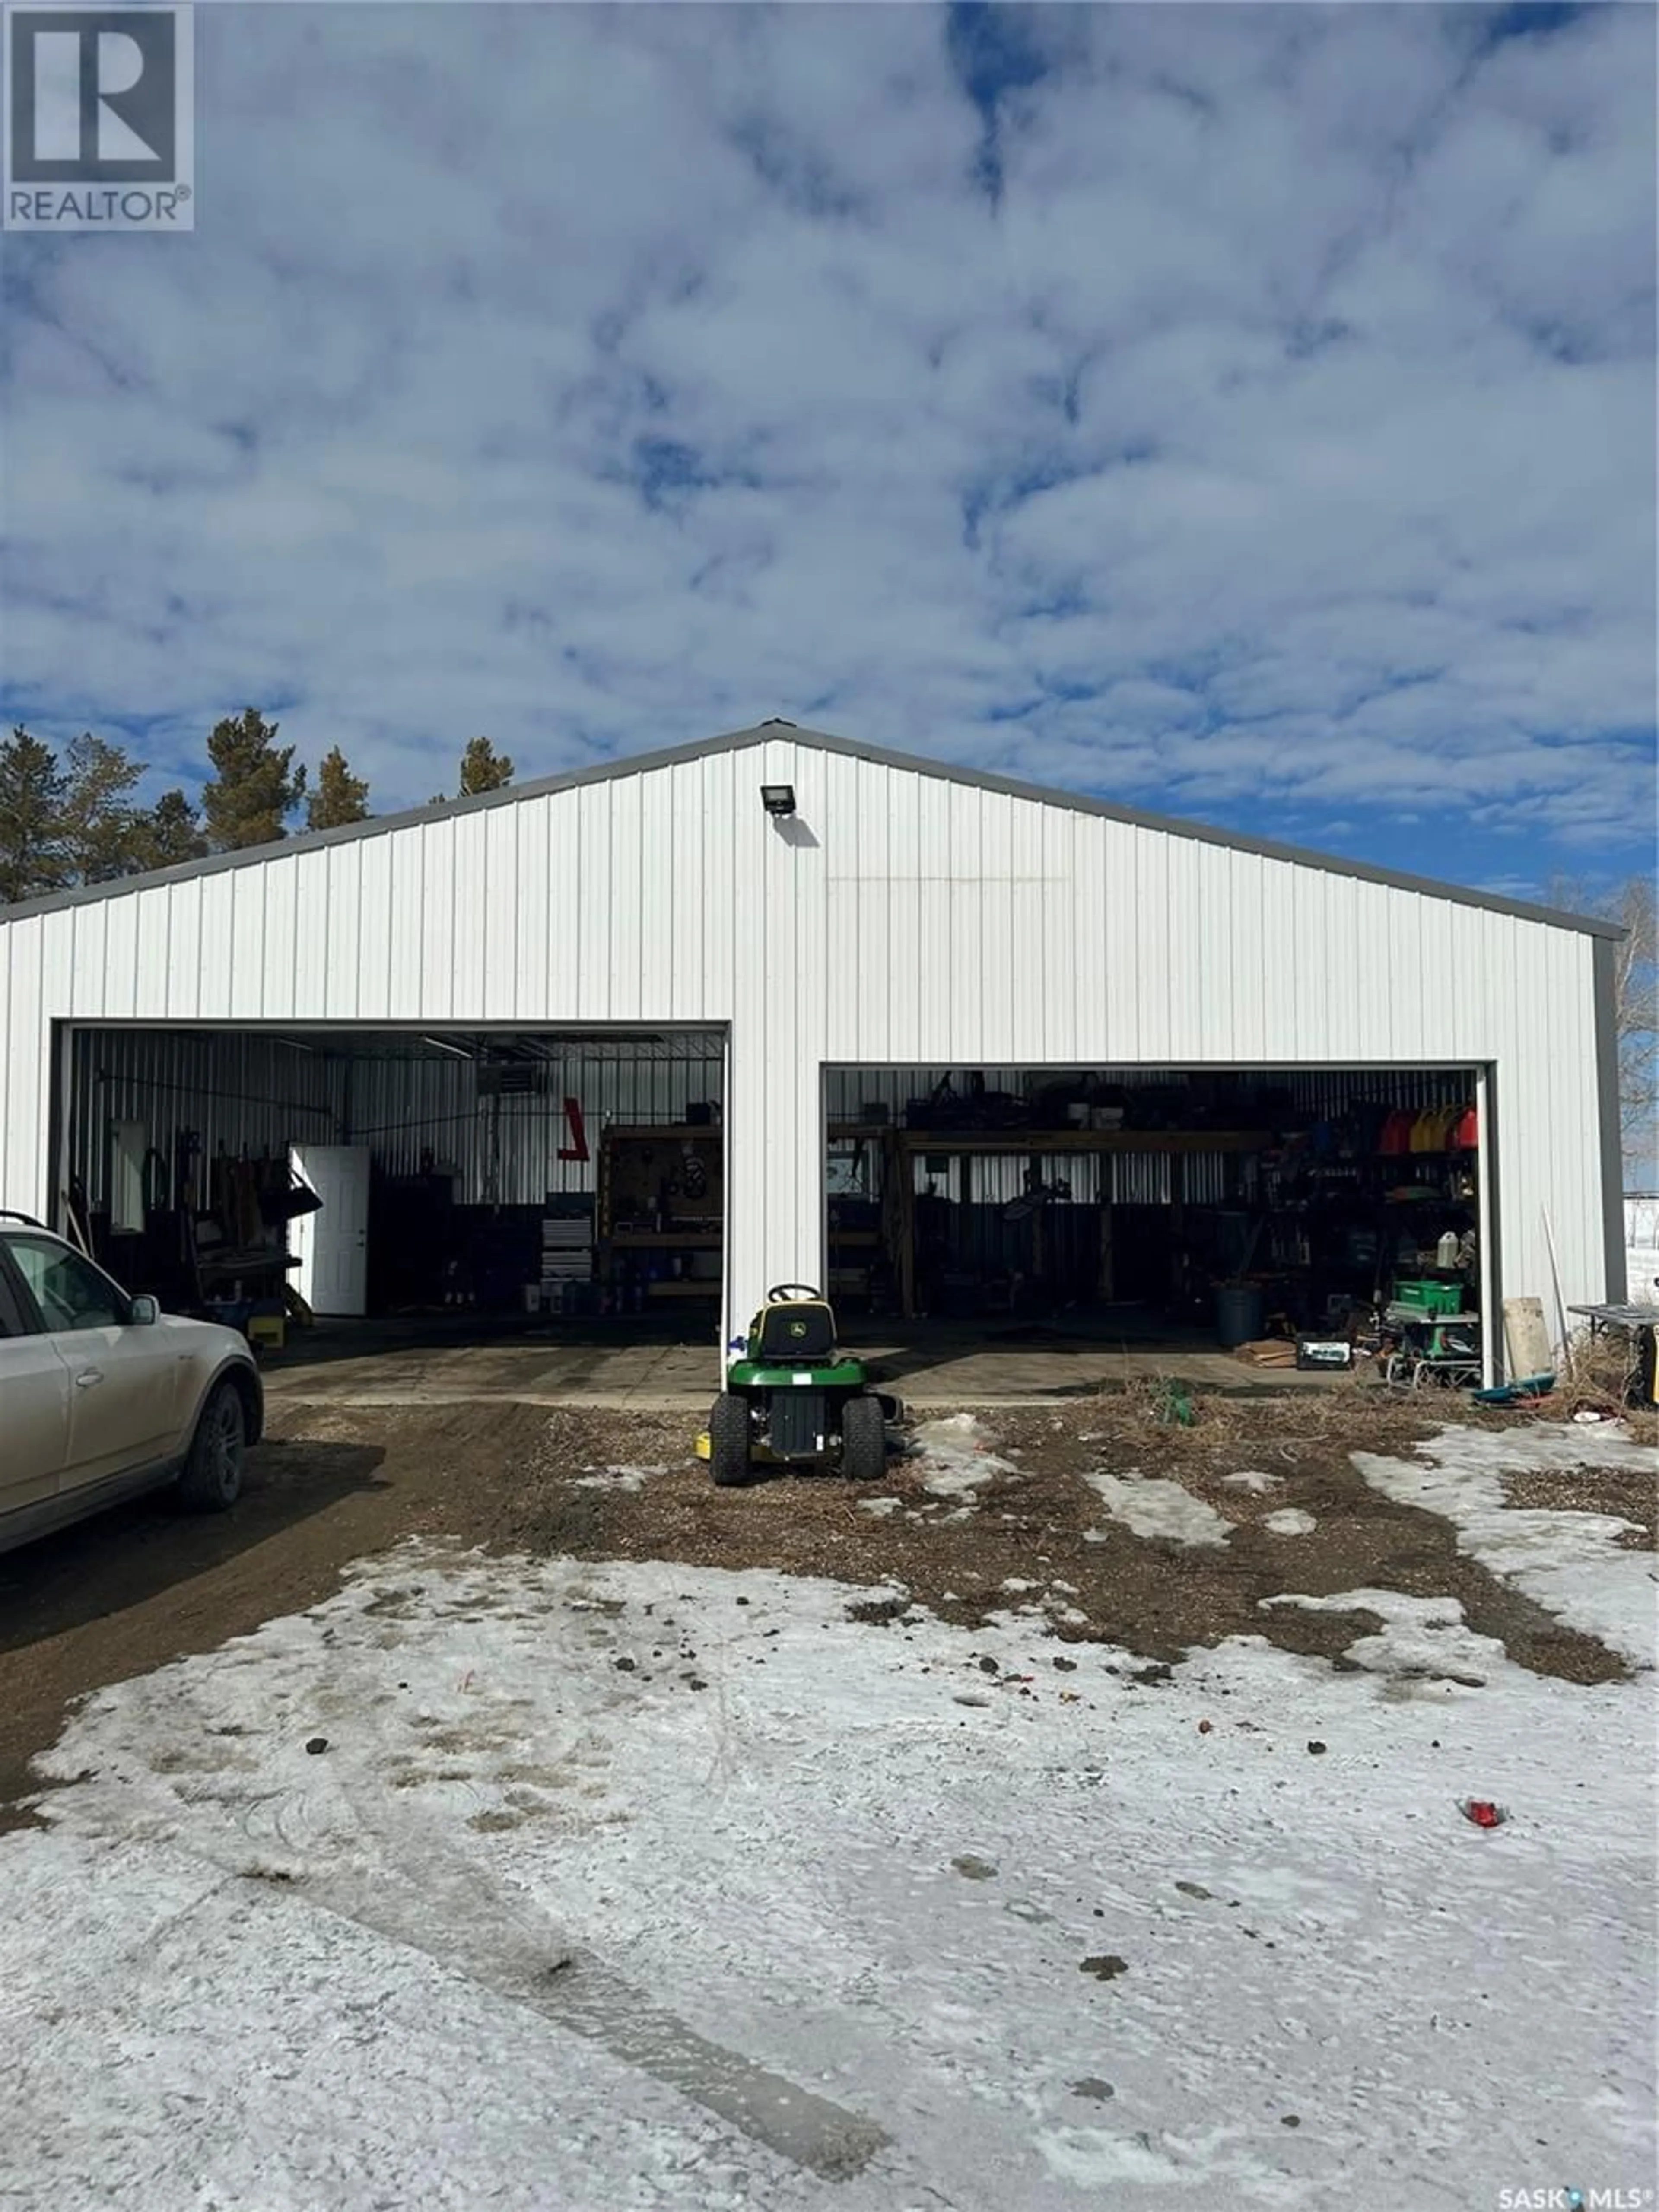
column 242, row 1094
column 505, row 1151
column 251, row 1093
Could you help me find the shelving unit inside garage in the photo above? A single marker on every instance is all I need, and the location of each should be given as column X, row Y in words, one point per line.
column 661, row 1214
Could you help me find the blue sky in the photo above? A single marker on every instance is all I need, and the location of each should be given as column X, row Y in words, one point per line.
column 1245, row 412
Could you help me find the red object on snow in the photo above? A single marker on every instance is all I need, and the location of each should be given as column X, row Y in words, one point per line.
column 1483, row 1812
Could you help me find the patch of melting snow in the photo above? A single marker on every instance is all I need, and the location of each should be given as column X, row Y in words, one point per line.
column 1291, row 1521
column 1421, row 1638
column 1150, row 1507
column 615, row 1478
column 881, row 1507
column 1253, row 1481
column 959, row 1461
column 1568, row 1562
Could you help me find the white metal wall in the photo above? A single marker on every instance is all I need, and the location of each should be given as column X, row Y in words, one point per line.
column 900, row 918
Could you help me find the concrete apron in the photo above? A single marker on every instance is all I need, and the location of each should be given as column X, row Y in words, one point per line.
column 675, row 1378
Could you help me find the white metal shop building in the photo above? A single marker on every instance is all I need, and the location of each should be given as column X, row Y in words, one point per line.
column 782, row 1007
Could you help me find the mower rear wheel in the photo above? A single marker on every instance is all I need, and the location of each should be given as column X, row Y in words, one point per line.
column 728, row 1440
column 863, row 1440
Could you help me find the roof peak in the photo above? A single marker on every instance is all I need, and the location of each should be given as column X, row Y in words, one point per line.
column 823, row 741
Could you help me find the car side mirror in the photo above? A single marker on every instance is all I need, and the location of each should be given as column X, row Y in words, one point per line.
column 144, row 1312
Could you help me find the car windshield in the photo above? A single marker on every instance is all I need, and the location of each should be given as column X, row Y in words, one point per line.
column 70, row 1293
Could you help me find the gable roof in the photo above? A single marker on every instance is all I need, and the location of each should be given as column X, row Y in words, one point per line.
column 380, row 826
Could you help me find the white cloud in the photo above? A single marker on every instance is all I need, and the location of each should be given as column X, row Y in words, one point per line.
column 600, row 379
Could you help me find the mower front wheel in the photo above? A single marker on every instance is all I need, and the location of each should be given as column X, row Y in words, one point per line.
column 863, row 1440
column 728, row 1440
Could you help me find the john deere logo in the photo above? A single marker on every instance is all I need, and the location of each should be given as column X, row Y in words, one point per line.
column 798, row 1328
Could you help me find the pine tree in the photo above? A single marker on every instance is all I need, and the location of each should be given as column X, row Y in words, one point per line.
column 100, row 821
column 339, row 798
column 169, row 835
column 254, row 786
column 483, row 768
column 33, row 857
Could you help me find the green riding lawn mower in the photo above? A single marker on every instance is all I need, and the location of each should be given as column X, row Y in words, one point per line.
column 794, row 1399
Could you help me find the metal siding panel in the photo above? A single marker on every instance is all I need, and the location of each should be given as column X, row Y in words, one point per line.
column 975, row 966
column 280, row 938
column 218, row 950
column 89, row 932
column 865, row 1007
column 935, row 856
column 900, row 796
column 717, row 826
column 381, row 909
column 548, row 895
column 1183, row 966
column 1110, row 976
column 682, row 958
column 596, row 917
column 185, row 965
column 1250, row 953
column 120, row 957
column 1400, row 992
column 656, row 856
column 1217, row 912
column 1284, row 961
column 152, row 951
column 468, row 967
column 1351, row 967
column 1059, row 933
column 25, row 1181
column 1020, row 1018
column 627, row 898
column 427, row 980
column 341, row 887
column 248, row 960
column 1154, row 943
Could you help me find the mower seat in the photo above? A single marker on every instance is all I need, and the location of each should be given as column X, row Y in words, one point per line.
column 800, row 1332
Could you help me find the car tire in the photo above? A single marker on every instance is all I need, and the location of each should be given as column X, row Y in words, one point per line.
column 728, row 1440
column 211, row 1480
column 863, row 1440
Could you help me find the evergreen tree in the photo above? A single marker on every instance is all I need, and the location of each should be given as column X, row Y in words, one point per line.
column 483, row 768
column 254, row 786
column 33, row 857
column 101, row 824
column 169, row 834
column 339, row 798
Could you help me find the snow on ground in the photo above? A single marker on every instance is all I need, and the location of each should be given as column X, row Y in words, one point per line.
column 632, row 1478
column 1567, row 1562
column 1291, row 1521
column 1254, row 1480
column 957, row 1460
column 644, row 1885
column 1152, row 1507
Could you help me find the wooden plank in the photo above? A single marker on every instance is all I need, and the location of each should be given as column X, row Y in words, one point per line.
column 997, row 1141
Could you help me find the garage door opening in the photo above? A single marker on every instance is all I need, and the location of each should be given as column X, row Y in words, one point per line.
column 402, row 1186
column 1095, row 1224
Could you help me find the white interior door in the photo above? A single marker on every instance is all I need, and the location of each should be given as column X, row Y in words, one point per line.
column 332, row 1243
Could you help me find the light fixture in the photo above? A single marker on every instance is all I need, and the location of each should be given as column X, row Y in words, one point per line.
column 778, row 798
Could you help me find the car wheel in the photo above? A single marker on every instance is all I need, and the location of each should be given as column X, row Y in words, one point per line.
column 212, row 1476
column 863, row 1440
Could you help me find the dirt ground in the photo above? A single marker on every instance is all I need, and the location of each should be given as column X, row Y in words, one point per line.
column 144, row 1585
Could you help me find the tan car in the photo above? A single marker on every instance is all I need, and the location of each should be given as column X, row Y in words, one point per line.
column 102, row 1395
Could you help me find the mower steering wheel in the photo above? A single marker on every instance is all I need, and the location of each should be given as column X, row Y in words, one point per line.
column 791, row 1293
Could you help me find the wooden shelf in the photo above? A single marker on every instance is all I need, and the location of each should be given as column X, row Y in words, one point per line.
column 662, row 1240
column 867, row 1238
column 682, row 1289
column 1085, row 1140
column 642, row 1133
